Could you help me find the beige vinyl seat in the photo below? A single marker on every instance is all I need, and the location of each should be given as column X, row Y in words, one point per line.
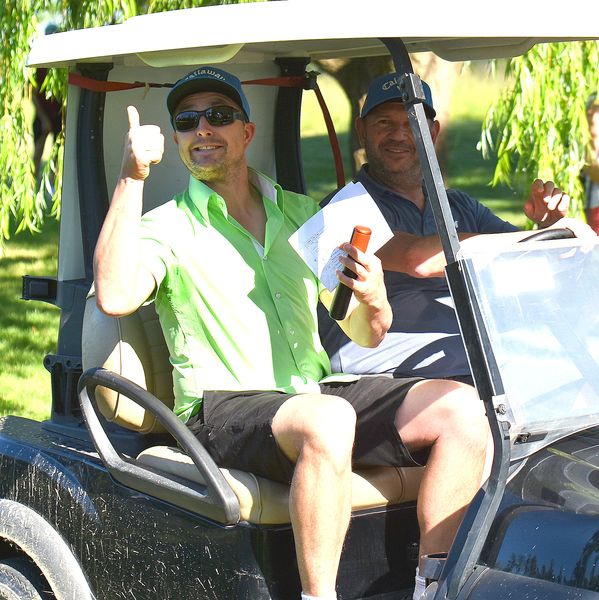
column 134, row 348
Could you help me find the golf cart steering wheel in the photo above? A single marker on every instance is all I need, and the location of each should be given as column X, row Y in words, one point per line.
column 549, row 234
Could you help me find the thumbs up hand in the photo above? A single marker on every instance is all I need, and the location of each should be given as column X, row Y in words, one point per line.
column 144, row 146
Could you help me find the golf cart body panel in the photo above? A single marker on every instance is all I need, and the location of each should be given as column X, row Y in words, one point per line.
column 130, row 529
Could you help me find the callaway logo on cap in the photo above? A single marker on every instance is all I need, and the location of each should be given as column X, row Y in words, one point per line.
column 208, row 79
column 386, row 89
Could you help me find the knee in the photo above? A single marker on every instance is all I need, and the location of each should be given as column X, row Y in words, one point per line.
column 462, row 413
column 329, row 429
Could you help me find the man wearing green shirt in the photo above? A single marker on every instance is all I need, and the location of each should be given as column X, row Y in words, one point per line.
column 238, row 309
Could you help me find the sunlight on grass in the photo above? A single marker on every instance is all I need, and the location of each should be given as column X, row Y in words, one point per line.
column 467, row 170
column 29, row 329
column 337, row 102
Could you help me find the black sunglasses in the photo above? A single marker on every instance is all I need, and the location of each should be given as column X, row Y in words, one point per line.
column 215, row 115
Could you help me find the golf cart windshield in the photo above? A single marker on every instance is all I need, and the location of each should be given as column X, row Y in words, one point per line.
column 538, row 301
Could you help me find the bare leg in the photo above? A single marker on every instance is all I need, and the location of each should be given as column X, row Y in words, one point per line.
column 449, row 418
column 317, row 432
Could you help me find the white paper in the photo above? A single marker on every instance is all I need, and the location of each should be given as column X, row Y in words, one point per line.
column 317, row 241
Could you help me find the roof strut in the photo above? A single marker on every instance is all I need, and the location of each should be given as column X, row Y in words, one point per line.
column 465, row 552
column 410, row 85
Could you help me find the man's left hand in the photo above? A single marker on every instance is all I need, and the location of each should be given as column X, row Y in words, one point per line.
column 546, row 204
column 369, row 284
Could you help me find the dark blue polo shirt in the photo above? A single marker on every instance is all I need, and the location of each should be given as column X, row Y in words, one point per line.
column 424, row 338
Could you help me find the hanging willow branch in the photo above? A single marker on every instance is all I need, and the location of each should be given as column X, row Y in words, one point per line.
column 538, row 126
column 25, row 201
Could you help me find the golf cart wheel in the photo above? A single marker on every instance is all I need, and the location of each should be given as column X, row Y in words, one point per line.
column 20, row 580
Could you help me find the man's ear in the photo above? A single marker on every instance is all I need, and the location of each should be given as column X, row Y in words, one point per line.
column 175, row 138
column 435, row 129
column 249, row 131
column 360, row 126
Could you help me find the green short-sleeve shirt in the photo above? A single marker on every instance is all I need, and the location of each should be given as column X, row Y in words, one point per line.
column 235, row 315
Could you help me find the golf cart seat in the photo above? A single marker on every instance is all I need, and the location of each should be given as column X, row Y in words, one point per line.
column 132, row 349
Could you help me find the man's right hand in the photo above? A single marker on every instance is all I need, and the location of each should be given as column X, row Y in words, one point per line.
column 144, row 146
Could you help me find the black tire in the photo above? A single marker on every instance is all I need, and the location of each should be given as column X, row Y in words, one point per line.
column 20, row 580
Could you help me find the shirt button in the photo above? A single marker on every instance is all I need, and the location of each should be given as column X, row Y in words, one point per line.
column 265, row 258
column 292, row 332
column 278, row 295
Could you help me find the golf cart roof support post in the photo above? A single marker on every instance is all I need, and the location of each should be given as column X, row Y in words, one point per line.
column 473, row 531
column 91, row 177
column 434, row 188
column 290, row 173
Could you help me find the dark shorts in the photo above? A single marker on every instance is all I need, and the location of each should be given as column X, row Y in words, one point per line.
column 235, row 427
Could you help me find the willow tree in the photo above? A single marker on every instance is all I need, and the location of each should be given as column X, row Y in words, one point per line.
column 538, row 126
column 23, row 196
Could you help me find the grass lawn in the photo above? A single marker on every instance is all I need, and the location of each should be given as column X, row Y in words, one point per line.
column 29, row 329
column 467, row 170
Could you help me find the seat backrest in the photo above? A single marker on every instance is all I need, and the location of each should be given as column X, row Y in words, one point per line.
column 134, row 347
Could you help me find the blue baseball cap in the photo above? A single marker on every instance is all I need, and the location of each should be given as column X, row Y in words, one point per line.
column 386, row 89
column 208, row 79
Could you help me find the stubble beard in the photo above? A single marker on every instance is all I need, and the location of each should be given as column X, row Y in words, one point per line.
column 397, row 178
column 216, row 172
column 203, row 173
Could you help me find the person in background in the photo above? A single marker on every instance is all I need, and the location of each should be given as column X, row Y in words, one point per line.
column 424, row 339
column 591, row 171
column 48, row 113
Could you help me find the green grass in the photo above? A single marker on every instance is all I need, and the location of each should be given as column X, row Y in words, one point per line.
column 29, row 329
column 467, row 170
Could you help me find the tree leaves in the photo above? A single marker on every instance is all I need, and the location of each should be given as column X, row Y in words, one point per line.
column 25, row 201
column 538, row 127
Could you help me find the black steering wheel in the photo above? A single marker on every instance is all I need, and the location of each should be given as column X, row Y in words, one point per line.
column 549, row 234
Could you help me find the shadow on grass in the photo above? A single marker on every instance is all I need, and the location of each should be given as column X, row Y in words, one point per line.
column 319, row 166
column 468, row 171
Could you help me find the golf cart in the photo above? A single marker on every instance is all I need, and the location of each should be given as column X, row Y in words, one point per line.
column 112, row 497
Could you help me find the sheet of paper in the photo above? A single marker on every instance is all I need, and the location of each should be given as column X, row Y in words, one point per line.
column 317, row 241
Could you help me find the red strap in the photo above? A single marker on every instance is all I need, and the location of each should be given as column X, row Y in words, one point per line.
column 286, row 81
column 302, row 81
column 94, row 85
column 334, row 141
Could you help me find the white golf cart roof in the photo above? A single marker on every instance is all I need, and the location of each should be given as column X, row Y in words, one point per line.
column 454, row 31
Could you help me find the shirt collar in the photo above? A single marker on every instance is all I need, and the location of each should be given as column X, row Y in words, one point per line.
column 201, row 194
column 370, row 183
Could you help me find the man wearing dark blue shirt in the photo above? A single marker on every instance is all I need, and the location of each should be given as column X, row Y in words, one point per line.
column 424, row 338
